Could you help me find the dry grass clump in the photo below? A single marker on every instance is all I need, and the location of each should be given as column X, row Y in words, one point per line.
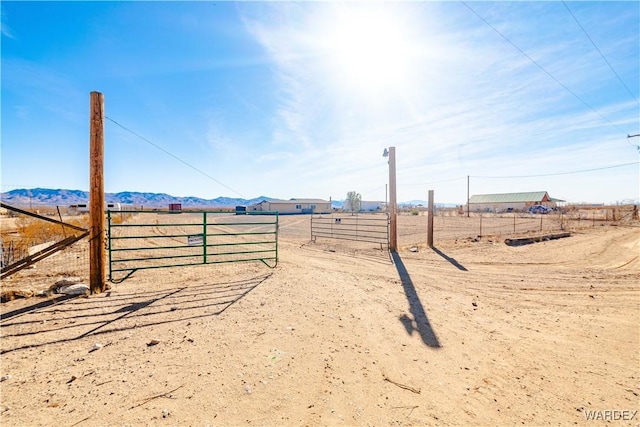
column 29, row 232
column 120, row 217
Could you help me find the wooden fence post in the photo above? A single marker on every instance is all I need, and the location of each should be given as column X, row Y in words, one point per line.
column 430, row 221
column 96, row 195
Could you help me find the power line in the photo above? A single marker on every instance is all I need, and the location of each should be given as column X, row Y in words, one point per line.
column 600, row 52
column 437, row 182
column 375, row 189
column 174, row 156
column 543, row 69
column 559, row 173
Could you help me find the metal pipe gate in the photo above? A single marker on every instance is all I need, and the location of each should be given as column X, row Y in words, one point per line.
column 142, row 240
column 372, row 228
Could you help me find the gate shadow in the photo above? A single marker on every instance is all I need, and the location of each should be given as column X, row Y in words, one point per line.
column 420, row 322
column 35, row 307
column 73, row 319
column 381, row 256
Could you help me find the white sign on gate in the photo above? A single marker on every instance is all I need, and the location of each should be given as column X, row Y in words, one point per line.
column 195, row 240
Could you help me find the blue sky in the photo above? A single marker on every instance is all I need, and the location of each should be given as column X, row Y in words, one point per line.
column 299, row 99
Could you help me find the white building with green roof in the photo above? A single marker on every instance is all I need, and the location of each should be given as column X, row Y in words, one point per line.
column 505, row 202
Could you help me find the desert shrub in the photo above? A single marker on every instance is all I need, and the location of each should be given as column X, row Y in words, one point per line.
column 119, row 217
column 12, row 250
column 29, row 232
column 36, row 231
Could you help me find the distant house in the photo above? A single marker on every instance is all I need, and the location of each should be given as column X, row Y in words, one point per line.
column 84, row 208
column 292, row 206
column 505, row 202
column 365, row 206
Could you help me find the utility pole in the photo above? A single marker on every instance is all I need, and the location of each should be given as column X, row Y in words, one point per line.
column 467, row 196
column 96, row 194
column 430, row 221
column 393, row 240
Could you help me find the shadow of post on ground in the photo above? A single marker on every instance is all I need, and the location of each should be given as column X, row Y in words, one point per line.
column 453, row 261
column 420, row 322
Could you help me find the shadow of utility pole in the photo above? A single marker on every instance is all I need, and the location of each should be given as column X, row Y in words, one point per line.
column 420, row 321
column 451, row 260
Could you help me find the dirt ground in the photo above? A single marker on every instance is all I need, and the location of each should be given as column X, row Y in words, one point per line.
column 470, row 333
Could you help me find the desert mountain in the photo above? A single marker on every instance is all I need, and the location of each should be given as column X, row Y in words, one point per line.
column 62, row 197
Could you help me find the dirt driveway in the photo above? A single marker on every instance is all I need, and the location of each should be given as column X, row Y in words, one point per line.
column 471, row 333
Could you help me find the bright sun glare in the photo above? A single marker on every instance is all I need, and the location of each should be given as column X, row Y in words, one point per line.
column 372, row 49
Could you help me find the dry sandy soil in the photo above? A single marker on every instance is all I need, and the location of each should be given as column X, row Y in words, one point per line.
column 471, row 333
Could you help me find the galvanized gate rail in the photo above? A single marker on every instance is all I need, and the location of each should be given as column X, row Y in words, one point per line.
column 362, row 228
column 188, row 238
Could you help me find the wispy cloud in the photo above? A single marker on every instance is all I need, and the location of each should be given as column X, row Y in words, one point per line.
column 475, row 105
column 302, row 104
column 6, row 30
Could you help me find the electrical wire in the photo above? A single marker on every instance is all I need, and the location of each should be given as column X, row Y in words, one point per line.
column 437, row 182
column 600, row 52
column 542, row 68
column 174, row 156
column 558, row 173
column 375, row 189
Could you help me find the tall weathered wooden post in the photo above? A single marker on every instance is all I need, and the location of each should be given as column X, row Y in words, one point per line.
column 96, row 195
column 393, row 239
column 430, row 221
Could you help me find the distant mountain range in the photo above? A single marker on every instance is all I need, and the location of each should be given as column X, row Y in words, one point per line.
column 61, row 197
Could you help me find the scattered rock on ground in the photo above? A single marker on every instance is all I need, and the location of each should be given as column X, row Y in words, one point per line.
column 77, row 289
column 65, row 281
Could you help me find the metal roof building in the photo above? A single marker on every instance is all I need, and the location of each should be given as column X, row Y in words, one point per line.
column 293, row 206
column 510, row 201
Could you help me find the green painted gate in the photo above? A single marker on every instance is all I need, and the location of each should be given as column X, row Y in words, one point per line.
column 139, row 240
